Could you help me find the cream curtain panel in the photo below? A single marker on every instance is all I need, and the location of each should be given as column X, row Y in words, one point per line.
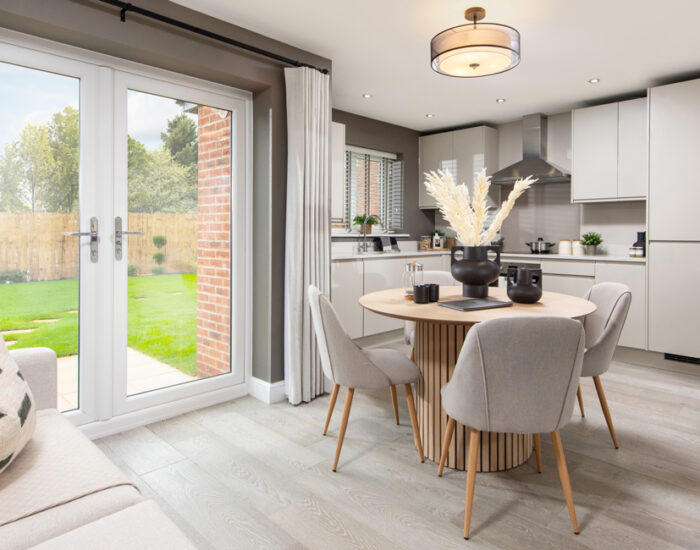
column 307, row 248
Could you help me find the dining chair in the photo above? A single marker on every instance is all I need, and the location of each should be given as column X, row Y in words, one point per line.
column 346, row 364
column 442, row 278
column 515, row 375
column 603, row 328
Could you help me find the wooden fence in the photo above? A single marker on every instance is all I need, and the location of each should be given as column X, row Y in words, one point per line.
column 34, row 243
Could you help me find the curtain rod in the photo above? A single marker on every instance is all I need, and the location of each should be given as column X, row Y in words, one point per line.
column 126, row 7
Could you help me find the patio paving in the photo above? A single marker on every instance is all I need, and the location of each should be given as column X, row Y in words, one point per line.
column 144, row 373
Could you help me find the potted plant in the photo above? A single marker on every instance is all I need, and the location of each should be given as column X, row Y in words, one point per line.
column 365, row 223
column 590, row 242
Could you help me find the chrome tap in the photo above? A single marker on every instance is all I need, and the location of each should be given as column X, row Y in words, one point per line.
column 364, row 230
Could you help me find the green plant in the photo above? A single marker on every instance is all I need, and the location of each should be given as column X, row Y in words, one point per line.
column 591, row 238
column 132, row 271
column 13, row 276
column 362, row 219
column 437, row 232
column 159, row 258
column 160, row 241
column 158, row 270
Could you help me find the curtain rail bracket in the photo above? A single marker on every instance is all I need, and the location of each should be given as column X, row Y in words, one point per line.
column 122, row 12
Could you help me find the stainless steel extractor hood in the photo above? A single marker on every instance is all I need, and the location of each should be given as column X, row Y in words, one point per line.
column 534, row 153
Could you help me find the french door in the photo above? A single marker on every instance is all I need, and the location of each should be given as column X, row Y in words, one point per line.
column 124, row 204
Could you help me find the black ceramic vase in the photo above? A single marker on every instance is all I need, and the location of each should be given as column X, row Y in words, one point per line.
column 475, row 271
column 524, row 285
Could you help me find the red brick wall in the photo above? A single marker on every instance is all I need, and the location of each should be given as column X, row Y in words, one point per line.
column 214, row 243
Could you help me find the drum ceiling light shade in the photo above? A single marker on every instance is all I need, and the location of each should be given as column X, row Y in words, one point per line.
column 475, row 49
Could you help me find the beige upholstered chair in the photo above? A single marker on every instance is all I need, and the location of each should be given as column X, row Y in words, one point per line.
column 442, row 278
column 603, row 328
column 515, row 375
column 345, row 364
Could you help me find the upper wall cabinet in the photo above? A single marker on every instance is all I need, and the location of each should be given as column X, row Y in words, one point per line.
column 674, row 183
column 462, row 152
column 609, row 148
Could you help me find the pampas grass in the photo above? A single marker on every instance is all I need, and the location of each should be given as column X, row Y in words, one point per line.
column 468, row 217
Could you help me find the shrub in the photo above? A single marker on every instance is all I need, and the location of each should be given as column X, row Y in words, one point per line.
column 160, row 241
column 132, row 271
column 159, row 270
column 13, row 276
column 159, row 258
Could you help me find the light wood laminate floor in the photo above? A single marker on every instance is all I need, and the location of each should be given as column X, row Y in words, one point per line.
column 249, row 475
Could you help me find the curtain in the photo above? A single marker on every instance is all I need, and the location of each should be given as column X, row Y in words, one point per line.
column 307, row 241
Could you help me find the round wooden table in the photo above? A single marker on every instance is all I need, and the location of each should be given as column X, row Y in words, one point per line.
column 440, row 333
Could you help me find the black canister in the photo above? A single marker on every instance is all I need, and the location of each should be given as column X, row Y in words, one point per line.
column 434, row 292
column 524, row 285
column 421, row 294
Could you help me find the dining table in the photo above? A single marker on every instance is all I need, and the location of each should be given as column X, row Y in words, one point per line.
column 439, row 334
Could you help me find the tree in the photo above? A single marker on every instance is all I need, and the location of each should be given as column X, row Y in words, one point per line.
column 165, row 187
column 181, row 140
column 64, row 135
column 10, row 180
column 37, row 163
column 138, row 158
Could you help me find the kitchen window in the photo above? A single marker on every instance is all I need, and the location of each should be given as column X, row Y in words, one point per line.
column 373, row 186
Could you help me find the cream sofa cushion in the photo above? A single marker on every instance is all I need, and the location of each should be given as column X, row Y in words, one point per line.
column 17, row 409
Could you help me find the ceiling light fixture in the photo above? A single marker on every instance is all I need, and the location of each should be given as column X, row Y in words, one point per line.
column 367, row 96
column 501, row 100
column 430, row 115
column 593, row 80
column 475, row 50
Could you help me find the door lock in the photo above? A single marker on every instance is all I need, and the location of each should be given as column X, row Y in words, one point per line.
column 93, row 237
column 118, row 237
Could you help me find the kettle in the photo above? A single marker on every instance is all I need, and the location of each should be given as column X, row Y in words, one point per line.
column 524, row 285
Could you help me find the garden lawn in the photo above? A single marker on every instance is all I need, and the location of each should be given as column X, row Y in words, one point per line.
column 162, row 319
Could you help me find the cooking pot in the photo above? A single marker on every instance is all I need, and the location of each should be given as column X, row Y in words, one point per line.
column 540, row 246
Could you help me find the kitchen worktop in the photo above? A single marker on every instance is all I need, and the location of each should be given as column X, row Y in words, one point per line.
column 536, row 258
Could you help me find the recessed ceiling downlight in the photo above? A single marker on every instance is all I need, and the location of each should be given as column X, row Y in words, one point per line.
column 367, row 95
column 593, row 80
column 501, row 100
column 473, row 49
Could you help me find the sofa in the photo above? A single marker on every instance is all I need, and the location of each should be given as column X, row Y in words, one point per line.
column 62, row 492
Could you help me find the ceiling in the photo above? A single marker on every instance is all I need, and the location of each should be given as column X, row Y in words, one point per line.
column 382, row 47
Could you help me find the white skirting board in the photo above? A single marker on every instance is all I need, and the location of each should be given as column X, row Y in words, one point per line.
column 266, row 392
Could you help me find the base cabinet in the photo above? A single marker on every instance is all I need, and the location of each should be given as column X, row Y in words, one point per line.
column 634, row 333
column 566, row 284
column 346, row 291
column 674, row 303
column 381, row 275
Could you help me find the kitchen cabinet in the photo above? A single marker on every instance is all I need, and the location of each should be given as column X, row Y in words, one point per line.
column 674, row 142
column 572, row 285
column 346, row 290
column 674, row 303
column 381, row 274
column 462, row 152
column 634, row 333
column 337, row 172
column 609, row 147
column 435, row 153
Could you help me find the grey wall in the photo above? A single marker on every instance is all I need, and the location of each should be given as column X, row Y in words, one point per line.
column 382, row 136
column 93, row 26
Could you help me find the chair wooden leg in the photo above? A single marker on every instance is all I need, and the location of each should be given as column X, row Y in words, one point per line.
column 580, row 400
column 343, row 426
column 564, row 478
column 538, row 452
column 446, row 444
column 395, row 402
column 331, row 406
column 413, row 354
column 414, row 421
column 606, row 411
column 471, row 479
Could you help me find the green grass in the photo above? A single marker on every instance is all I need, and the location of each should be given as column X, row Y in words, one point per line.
column 162, row 319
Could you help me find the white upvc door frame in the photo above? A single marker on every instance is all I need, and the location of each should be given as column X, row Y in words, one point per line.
column 104, row 408
column 122, row 403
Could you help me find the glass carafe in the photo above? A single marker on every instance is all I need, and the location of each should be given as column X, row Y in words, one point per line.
column 412, row 275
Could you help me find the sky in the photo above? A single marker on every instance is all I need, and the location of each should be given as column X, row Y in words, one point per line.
column 31, row 96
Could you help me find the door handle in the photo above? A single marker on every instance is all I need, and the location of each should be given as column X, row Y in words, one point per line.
column 93, row 237
column 118, row 237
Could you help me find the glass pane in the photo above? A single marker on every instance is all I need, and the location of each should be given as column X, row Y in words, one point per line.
column 39, row 267
column 179, row 189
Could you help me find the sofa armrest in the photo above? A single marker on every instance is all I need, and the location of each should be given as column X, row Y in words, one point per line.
column 38, row 366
